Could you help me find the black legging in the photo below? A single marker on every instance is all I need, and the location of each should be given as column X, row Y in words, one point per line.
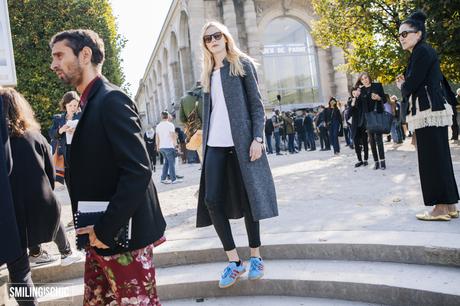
column 215, row 198
column 360, row 142
column 376, row 141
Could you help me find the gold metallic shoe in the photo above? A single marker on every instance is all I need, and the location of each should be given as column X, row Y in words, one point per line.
column 426, row 216
column 454, row 214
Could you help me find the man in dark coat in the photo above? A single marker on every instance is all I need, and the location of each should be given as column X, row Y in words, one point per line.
column 109, row 164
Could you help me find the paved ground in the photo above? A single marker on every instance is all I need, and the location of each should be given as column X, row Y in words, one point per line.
column 316, row 192
column 264, row 301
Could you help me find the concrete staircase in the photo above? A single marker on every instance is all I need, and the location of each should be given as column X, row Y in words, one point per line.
column 302, row 268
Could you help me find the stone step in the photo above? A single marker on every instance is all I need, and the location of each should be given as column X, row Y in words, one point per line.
column 367, row 282
column 399, row 247
column 387, row 246
column 263, row 301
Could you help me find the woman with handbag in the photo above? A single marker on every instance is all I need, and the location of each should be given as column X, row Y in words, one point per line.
column 429, row 118
column 372, row 97
column 236, row 179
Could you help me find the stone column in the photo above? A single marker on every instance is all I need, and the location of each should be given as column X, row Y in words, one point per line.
column 340, row 78
column 230, row 18
column 161, row 100
column 196, row 10
column 157, row 107
column 325, row 75
column 167, row 93
column 255, row 44
column 177, row 83
column 187, row 68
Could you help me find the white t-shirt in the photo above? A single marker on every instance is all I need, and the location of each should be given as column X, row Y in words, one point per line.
column 72, row 124
column 164, row 130
column 220, row 133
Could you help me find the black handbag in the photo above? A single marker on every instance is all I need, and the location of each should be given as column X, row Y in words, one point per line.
column 378, row 122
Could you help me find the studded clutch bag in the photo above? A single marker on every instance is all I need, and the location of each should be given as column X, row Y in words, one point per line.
column 88, row 213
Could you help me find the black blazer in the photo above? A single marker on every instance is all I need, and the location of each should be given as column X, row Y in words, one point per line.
column 32, row 183
column 336, row 116
column 9, row 235
column 368, row 103
column 109, row 162
column 327, row 116
column 424, row 79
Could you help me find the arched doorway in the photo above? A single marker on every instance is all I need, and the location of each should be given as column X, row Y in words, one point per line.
column 290, row 63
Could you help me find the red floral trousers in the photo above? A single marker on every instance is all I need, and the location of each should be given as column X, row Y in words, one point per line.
column 122, row 279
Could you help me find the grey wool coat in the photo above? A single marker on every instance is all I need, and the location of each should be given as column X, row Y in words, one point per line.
column 246, row 114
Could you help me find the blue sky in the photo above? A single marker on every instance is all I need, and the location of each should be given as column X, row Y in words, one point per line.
column 140, row 22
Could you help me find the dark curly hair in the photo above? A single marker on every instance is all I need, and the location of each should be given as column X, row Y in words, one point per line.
column 80, row 38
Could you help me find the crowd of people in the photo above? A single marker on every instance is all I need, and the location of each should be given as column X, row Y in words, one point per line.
column 104, row 155
column 303, row 128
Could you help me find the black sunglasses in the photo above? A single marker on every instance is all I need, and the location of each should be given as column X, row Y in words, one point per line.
column 208, row 38
column 405, row 33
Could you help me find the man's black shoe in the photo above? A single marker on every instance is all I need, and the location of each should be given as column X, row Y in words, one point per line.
column 359, row 164
column 377, row 165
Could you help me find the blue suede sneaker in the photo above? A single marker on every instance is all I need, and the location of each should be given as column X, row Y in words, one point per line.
column 256, row 268
column 231, row 274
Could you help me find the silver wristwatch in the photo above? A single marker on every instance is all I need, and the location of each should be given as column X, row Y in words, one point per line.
column 259, row 139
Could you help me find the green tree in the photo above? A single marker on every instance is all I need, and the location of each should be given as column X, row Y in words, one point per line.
column 367, row 31
column 33, row 23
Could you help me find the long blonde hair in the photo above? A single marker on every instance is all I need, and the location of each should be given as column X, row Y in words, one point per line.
column 19, row 115
column 234, row 55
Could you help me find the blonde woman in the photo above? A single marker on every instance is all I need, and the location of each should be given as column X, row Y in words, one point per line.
column 236, row 180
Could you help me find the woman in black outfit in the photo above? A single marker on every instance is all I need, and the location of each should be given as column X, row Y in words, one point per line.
column 372, row 97
column 32, row 182
column 335, row 125
column 150, row 144
column 429, row 118
column 358, row 127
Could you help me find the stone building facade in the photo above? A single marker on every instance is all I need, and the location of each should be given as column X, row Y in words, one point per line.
column 274, row 32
